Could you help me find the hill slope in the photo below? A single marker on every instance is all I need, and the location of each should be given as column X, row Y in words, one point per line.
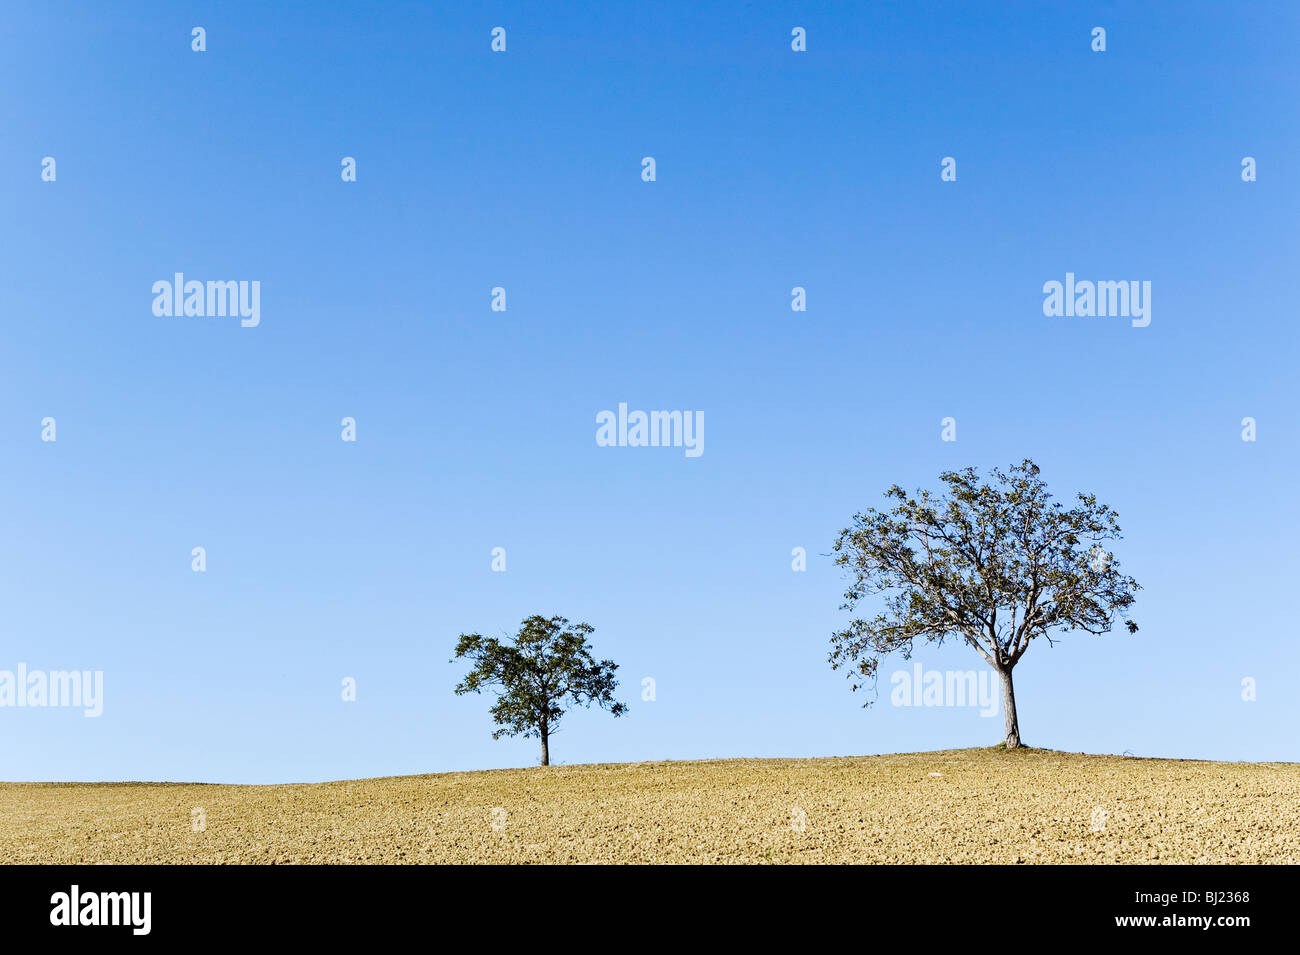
column 980, row 805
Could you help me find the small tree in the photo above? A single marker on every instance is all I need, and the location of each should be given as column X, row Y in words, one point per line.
column 548, row 665
column 994, row 564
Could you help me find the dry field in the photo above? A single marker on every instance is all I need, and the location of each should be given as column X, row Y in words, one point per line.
column 980, row 805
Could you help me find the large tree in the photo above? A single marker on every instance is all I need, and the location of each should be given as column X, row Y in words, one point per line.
column 547, row 667
column 995, row 564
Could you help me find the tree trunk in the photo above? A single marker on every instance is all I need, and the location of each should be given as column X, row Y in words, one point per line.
column 1009, row 710
column 546, row 748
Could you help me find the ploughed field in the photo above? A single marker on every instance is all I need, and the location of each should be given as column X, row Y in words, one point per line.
column 980, row 805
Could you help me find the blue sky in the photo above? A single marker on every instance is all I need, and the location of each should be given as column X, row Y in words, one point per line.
column 475, row 428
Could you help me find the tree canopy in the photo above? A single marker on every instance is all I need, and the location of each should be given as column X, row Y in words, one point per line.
column 547, row 668
column 995, row 564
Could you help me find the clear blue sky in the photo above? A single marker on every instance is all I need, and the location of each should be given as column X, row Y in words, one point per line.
column 476, row 428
